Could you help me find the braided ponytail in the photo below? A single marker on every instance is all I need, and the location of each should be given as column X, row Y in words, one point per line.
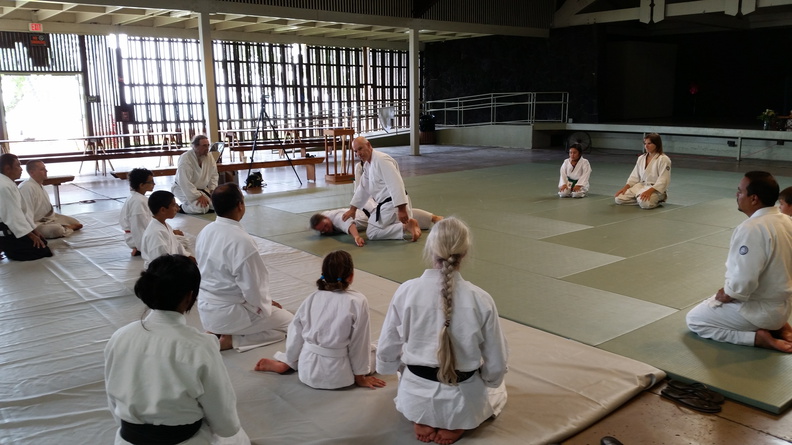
column 447, row 243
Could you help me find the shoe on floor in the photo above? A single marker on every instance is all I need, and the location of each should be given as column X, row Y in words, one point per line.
column 608, row 440
column 699, row 389
column 690, row 399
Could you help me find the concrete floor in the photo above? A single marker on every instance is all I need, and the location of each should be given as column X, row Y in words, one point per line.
column 648, row 418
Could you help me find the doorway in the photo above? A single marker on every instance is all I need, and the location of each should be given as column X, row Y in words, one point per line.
column 42, row 107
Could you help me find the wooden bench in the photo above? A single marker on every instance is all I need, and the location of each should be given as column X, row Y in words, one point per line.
column 55, row 182
column 309, row 163
column 303, row 146
column 105, row 156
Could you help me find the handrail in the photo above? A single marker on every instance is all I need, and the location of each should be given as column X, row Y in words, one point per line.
column 501, row 108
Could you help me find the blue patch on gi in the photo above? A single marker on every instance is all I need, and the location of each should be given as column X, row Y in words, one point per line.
column 743, row 250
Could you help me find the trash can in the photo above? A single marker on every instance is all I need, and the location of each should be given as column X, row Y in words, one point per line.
column 426, row 127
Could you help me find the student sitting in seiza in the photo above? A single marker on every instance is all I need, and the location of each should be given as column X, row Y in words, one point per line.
column 166, row 381
column 328, row 341
column 159, row 239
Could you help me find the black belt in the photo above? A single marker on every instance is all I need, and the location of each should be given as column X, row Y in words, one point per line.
column 147, row 434
column 366, row 212
column 380, row 206
column 429, row 373
column 5, row 230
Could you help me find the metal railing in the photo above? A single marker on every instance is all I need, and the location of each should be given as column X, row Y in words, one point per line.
column 500, row 108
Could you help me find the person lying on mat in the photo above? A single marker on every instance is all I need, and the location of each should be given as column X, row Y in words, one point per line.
column 649, row 180
column 329, row 341
column 49, row 223
column 785, row 201
column 446, row 334
column 235, row 302
column 575, row 173
column 754, row 304
column 159, row 239
column 196, row 177
column 166, row 381
column 19, row 238
column 330, row 222
column 381, row 181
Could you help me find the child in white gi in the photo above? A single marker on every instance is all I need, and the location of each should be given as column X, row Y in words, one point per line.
column 159, row 239
column 135, row 214
column 575, row 172
column 328, row 341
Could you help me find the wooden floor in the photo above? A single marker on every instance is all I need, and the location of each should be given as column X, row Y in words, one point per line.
column 647, row 419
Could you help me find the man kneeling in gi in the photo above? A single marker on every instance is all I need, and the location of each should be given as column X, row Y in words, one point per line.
column 234, row 302
column 754, row 304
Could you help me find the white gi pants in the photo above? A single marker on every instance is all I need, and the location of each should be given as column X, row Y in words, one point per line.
column 630, row 197
column 567, row 193
column 54, row 226
column 263, row 329
column 722, row 323
column 389, row 226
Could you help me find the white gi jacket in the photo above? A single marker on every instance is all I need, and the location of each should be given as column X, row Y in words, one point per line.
column 361, row 219
column 190, row 177
column 580, row 172
column 169, row 373
column 158, row 240
column 656, row 175
column 410, row 335
column 36, row 199
column 135, row 217
column 381, row 180
column 759, row 268
column 13, row 211
column 234, row 279
column 329, row 341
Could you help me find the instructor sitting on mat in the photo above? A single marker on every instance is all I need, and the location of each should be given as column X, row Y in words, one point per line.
column 196, row 178
column 381, row 180
column 753, row 306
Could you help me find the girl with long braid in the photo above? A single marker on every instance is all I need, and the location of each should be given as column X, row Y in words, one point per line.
column 328, row 342
column 443, row 333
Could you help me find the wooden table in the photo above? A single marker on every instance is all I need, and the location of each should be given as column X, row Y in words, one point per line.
column 55, row 182
column 347, row 171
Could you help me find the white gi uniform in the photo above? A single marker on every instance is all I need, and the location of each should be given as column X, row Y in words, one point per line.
column 234, row 297
column 191, row 178
column 381, row 180
column 158, row 240
column 759, row 275
column 168, row 373
column 410, row 335
column 423, row 217
column 14, row 214
column 575, row 175
column 657, row 175
column 329, row 341
column 135, row 217
column 50, row 224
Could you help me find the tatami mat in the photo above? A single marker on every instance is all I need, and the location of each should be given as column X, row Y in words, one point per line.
column 585, row 269
column 56, row 315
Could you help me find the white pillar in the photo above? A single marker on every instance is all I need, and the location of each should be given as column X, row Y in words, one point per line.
column 208, row 77
column 415, row 102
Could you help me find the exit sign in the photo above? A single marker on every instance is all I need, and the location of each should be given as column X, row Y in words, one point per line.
column 36, row 27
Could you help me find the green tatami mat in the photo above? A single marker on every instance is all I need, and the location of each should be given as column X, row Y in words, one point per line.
column 757, row 377
column 584, row 314
column 662, row 276
column 635, row 236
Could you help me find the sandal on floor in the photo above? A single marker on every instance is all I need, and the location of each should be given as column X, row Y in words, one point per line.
column 690, row 400
column 699, row 389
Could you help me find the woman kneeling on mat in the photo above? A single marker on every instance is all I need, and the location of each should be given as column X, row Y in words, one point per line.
column 166, row 381
column 444, row 334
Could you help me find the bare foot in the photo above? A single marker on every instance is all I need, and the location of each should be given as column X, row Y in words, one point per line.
column 226, row 342
column 268, row 364
column 424, row 433
column 135, row 252
column 436, row 218
column 447, row 437
column 75, row 227
column 785, row 333
column 764, row 339
column 413, row 228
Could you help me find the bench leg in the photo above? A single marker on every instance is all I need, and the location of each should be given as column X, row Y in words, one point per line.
column 311, row 168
